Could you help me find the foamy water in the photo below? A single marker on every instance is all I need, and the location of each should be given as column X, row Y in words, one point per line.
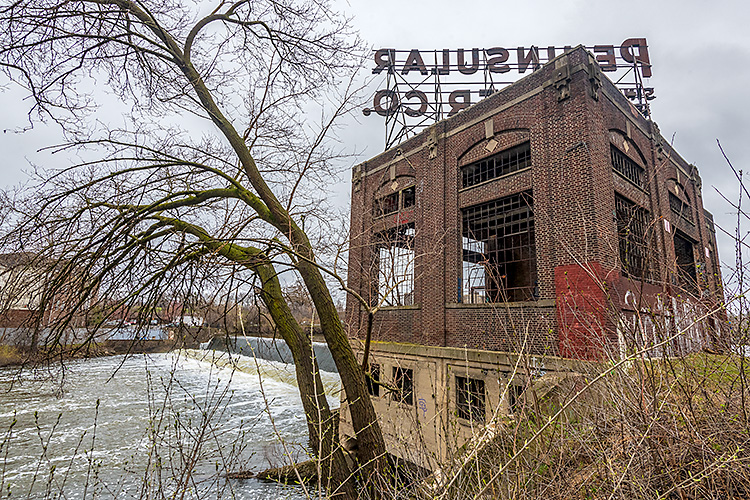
column 148, row 426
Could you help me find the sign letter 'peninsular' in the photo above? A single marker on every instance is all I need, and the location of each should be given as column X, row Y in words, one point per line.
column 495, row 60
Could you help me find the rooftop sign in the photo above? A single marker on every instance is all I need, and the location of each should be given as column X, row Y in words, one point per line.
column 424, row 86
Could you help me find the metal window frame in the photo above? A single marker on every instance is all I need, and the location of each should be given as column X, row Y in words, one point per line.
column 506, row 227
column 632, row 222
column 500, row 164
column 471, row 399
column 627, row 167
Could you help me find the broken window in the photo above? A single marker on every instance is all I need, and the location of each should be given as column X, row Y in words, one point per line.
column 403, row 382
column 683, row 250
column 626, row 167
column 503, row 163
column 515, row 397
column 395, row 202
column 680, row 208
column 395, row 264
column 408, row 197
column 386, row 205
column 499, row 253
column 373, row 381
column 470, row 399
column 473, row 271
column 632, row 223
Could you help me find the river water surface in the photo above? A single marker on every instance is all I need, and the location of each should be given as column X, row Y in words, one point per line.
column 164, row 425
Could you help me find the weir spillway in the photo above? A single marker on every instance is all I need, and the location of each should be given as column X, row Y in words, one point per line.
column 270, row 349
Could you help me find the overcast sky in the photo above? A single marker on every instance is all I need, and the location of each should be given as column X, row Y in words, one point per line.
column 700, row 52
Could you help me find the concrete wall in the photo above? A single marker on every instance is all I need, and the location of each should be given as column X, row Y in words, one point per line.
column 429, row 432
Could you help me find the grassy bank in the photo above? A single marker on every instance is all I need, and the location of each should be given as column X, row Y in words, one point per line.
column 665, row 428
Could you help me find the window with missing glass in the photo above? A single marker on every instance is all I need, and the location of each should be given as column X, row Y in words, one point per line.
column 394, row 256
column 403, row 382
column 625, row 166
column 499, row 252
column 498, row 165
column 685, row 257
column 515, row 397
column 408, row 197
column 680, row 208
column 470, row 399
column 373, row 380
column 632, row 225
column 394, row 202
column 386, row 205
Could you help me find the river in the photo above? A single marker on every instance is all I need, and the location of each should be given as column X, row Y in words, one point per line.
column 150, row 426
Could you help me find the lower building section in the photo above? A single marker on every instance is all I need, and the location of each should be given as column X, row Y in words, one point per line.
column 431, row 400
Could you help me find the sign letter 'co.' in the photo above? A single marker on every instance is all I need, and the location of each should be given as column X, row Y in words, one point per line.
column 495, row 60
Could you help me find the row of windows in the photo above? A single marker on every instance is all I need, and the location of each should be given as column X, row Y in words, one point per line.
column 637, row 247
column 503, row 163
column 470, row 392
column 519, row 158
column 394, row 202
column 499, row 249
column 498, row 254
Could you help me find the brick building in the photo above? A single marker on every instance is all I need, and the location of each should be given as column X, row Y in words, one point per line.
column 550, row 219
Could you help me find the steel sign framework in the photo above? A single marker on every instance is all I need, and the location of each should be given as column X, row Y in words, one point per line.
column 421, row 87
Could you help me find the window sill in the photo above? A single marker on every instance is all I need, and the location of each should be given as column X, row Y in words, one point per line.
column 682, row 219
column 495, row 305
column 399, row 308
column 639, row 188
column 469, row 423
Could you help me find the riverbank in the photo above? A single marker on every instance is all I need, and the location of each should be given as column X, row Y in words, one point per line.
column 11, row 355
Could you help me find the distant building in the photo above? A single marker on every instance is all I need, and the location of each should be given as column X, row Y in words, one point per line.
column 550, row 219
column 25, row 288
column 20, row 289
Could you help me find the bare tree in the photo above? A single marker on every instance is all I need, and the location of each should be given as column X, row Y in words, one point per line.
column 202, row 187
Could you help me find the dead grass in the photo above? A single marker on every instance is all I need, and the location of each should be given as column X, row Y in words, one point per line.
column 666, row 428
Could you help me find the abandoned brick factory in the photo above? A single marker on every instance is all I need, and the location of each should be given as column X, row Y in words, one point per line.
column 546, row 223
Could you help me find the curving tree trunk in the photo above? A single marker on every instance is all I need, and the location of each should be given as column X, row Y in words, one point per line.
column 335, row 473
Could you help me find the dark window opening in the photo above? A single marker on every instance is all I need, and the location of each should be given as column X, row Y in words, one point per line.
column 395, row 265
column 408, row 196
column 627, row 167
column 632, row 224
column 686, row 276
column 680, row 208
column 373, row 381
column 470, row 399
column 403, row 381
column 394, row 202
column 386, row 205
column 515, row 397
column 499, row 252
column 503, row 163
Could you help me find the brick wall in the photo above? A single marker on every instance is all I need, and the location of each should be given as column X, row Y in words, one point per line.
column 571, row 124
